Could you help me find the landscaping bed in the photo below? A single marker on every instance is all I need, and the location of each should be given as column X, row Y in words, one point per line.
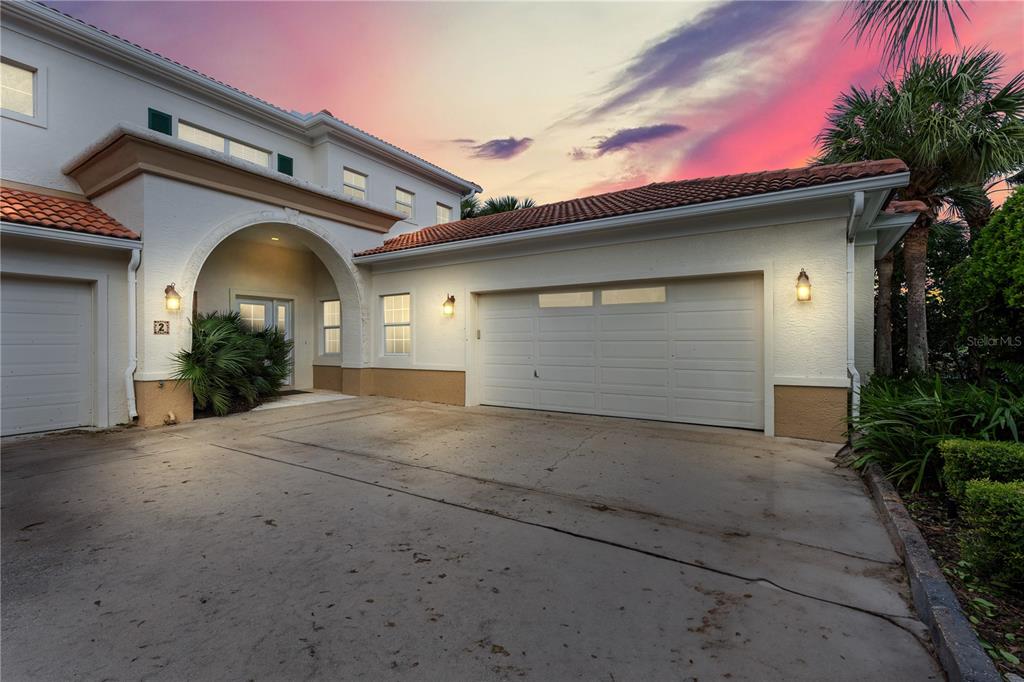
column 996, row 615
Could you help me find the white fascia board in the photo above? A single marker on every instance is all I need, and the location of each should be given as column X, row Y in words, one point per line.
column 80, row 238
column 884, row 182
column 890, row 229
column 76, row 30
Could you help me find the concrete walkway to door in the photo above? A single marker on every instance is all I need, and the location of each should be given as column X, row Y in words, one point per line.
column 381, row 539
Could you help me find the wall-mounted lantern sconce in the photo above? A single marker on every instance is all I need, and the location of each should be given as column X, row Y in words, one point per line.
column 448, row 307
column 172, row 299
column 803, row 286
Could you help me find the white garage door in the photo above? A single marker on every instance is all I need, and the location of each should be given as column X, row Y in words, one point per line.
column 46, row 354
column 683, row 350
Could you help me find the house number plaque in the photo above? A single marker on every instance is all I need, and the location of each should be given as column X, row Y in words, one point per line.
column 161, row 326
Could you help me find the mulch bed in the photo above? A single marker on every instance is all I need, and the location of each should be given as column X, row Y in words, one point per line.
column 940, row 528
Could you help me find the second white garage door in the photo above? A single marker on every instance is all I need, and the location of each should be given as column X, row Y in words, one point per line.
column 46, row 354
column 683, row 350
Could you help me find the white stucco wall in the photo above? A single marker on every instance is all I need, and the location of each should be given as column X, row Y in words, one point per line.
column 805, row 342
column 243, row 268
column 184, row 223
column 47, row 258
column 77, row 117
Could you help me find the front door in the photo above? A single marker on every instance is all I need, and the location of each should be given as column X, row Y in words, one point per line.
column 261, row 313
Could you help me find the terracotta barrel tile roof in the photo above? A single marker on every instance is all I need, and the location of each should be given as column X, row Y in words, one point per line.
column 653, row 197
column 43, row 210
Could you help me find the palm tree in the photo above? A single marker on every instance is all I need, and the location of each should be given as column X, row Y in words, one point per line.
column 470, row 207
column 954, row 126
column 903, row 27
column 503, row 204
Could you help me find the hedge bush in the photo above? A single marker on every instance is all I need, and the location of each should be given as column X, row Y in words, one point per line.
column 969, row 460
column 994, row 541
column 902, row 422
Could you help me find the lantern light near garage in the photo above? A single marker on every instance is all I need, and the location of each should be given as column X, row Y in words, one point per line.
column 448, row 307
column 172, row 299
column 803, row 286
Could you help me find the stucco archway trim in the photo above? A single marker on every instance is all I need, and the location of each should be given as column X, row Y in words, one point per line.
column 328, row 247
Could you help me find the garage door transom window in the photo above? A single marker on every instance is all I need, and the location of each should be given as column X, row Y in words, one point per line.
column 633, row 295
column 566, row 299
column 397, row 324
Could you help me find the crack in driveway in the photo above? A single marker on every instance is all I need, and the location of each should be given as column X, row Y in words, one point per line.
column 588, row 501
column 892, row 619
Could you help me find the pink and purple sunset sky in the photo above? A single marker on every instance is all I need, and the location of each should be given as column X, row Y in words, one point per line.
column 548, row 100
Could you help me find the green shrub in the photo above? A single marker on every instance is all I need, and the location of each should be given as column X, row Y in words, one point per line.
column 994, row 540
column 970, row 460
column 230, row 367
column 902, row 422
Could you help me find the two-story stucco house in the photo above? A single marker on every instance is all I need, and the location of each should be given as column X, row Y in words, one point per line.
column 137, row 192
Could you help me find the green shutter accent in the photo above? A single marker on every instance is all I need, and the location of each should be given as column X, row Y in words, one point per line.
column 285, row 164
column 160, row 122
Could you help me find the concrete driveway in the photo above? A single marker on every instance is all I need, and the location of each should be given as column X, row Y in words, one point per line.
column 378, row 539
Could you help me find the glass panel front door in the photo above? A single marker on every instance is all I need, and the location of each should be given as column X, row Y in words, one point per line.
column 260, row 313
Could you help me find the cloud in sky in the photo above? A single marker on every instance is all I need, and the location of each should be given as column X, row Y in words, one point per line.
column 500, row 148
column 631, row 137
column 681, row 58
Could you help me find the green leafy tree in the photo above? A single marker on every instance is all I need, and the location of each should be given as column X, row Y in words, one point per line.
column 955, row 126
column 988, row 288
column 503, row 204
column 903, row 27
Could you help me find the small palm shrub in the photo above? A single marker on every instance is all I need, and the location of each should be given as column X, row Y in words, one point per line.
column 902, row 422
column 230, row 367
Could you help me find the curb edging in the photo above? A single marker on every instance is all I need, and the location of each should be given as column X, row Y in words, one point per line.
column 956, row 645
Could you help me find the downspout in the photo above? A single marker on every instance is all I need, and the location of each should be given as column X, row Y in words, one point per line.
column 133, row 359
column 851, row 338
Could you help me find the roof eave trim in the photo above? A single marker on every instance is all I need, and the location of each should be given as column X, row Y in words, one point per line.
column 880, row 182
column 57, row 234
column 31, row 10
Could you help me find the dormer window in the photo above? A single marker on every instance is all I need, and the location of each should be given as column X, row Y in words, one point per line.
column 354, row 184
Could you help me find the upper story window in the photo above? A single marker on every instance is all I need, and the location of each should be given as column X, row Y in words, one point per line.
column 444, row 213
column 354, row 184
column 17, row 89
column 404, row 202
column 219, row 143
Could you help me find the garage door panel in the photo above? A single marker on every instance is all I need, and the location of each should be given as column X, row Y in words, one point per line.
column 549, row 399
column 721, row 378
column 512, row 326
column 506, row 351
column 631, row 405
column 507, row 372
column 46, row 354
column 697, row 357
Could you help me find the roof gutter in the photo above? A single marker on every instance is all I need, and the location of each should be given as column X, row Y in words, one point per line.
column 82, row 32
column 882, row 182
column 80, row 238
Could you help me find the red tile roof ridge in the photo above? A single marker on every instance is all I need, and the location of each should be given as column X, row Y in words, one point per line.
column 644, row 198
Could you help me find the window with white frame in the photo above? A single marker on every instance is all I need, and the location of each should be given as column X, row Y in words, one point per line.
column 219, row 143
column 404, row 201
column 354, row 184
column 17, row 89
column 444, row 214
column 331, row 327
column 397, row 324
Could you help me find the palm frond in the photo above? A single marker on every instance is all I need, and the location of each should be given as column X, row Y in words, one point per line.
column 903, row 28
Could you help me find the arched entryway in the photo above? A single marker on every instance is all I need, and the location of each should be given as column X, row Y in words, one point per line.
column 280, row 269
